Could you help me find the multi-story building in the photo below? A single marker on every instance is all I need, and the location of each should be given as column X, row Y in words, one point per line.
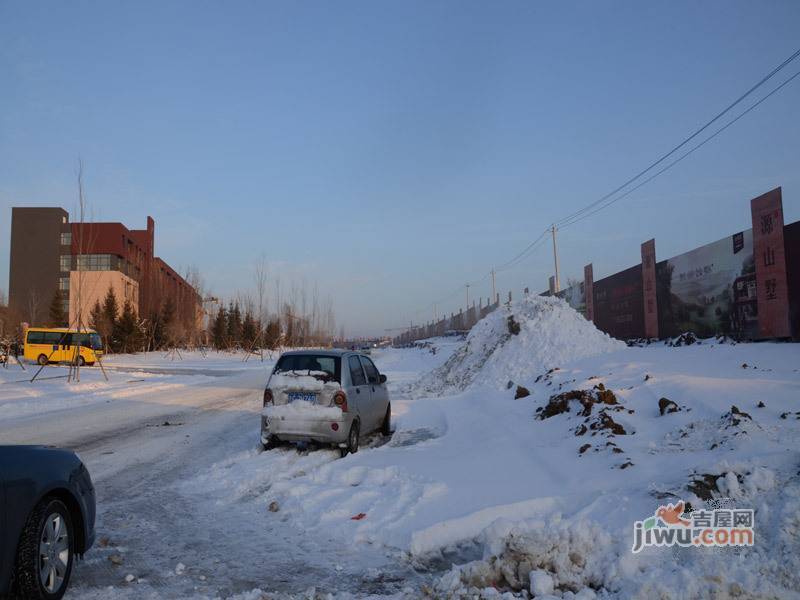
column 84, row 260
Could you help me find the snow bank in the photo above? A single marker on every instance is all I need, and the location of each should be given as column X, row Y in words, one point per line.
column 476, row 475
column 516, row 342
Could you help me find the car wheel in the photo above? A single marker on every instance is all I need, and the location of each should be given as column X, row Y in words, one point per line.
column 386, row 428
column 46, row 552
column 42, row 360
column 271, row 444
column 352, row 441
column 81, row 361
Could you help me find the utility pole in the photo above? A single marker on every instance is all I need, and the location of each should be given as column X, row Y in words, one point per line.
column 467, row 286
column 555, row 257
column 435, row 314
column 494, row 290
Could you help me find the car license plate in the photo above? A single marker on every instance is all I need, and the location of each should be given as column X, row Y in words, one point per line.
column 305, row 396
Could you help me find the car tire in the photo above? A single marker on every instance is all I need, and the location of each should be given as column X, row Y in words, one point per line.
column 271, row 444
column 352, row 441
column 47, row 538
column 42, row 360
column 386, row 427
column 81, row 361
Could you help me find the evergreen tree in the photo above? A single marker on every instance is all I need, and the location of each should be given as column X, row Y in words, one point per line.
column 249, row 330
column 166, row 320
column 234, row 325
column 96, row 317
column 272, row 335
column 58, row 317
column 219, row 329
column 109, row 319
column 127, row 329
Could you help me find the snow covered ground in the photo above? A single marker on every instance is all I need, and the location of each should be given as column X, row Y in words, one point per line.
column 536, row 454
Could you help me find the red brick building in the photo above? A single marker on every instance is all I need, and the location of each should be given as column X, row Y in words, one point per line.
column 83, row 260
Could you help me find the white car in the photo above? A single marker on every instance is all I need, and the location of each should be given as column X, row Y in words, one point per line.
column 324, row 396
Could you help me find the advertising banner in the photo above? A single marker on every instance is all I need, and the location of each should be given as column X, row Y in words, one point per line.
column 791, row 242
column 649, row 289
column 770, row 255
column 588, row 286
column 710, row 290
column 619, row 305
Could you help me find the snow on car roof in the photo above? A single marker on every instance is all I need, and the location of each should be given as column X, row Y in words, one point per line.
column 321, row 352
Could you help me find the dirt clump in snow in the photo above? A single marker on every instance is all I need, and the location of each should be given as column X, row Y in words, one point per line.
column 735, row 417
column 666, row 406
column 522, row 392
column 560, row 403
column 684, row 339
column 573, row 559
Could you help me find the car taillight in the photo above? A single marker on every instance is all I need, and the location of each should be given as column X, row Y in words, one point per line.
column 268, row 397
column 340, row 400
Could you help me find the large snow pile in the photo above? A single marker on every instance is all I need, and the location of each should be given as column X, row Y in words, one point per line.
column 493, row 493
column 517, row 341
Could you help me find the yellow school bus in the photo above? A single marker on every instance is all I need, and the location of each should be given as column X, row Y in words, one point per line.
column 57, row 344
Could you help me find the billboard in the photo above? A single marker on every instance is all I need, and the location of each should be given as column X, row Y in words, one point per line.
column 619, row 304
column 791, row 240
column 710, row 290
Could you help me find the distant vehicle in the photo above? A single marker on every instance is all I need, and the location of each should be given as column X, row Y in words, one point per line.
column 47, row 512
column 366, row 350
column 58, row 344
column 324, row 396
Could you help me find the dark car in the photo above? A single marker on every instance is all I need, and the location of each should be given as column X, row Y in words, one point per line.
column 47, row 511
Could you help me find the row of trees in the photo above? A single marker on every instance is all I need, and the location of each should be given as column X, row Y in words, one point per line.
column 233, row 328
column 121, row 328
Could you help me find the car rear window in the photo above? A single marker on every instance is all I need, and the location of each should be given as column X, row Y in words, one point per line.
column 310, row 362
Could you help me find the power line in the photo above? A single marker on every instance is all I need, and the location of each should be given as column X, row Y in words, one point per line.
column 607, row 200
column 719, row 115
column 684, row 155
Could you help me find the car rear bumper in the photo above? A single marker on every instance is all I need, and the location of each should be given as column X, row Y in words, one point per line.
column 323, row 431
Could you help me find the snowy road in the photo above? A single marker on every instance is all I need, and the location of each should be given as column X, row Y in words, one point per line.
column 140, row 451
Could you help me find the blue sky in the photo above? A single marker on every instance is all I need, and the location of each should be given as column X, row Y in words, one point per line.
column 391, row 152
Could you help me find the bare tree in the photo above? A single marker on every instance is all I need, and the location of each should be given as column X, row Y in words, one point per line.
column 261, row 275
column 34, row 303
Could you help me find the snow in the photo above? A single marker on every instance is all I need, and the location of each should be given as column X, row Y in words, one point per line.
column 541, row 583
column 305, row 381
column 474, row 495
column 301, row 409
column 517, row 341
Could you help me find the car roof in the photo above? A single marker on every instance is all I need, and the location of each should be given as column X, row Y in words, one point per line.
column 320, row 352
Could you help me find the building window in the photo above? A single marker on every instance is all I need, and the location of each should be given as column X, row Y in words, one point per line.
column 63, row 284
column 66, row 238
column 66, row 263
column 98, row 262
